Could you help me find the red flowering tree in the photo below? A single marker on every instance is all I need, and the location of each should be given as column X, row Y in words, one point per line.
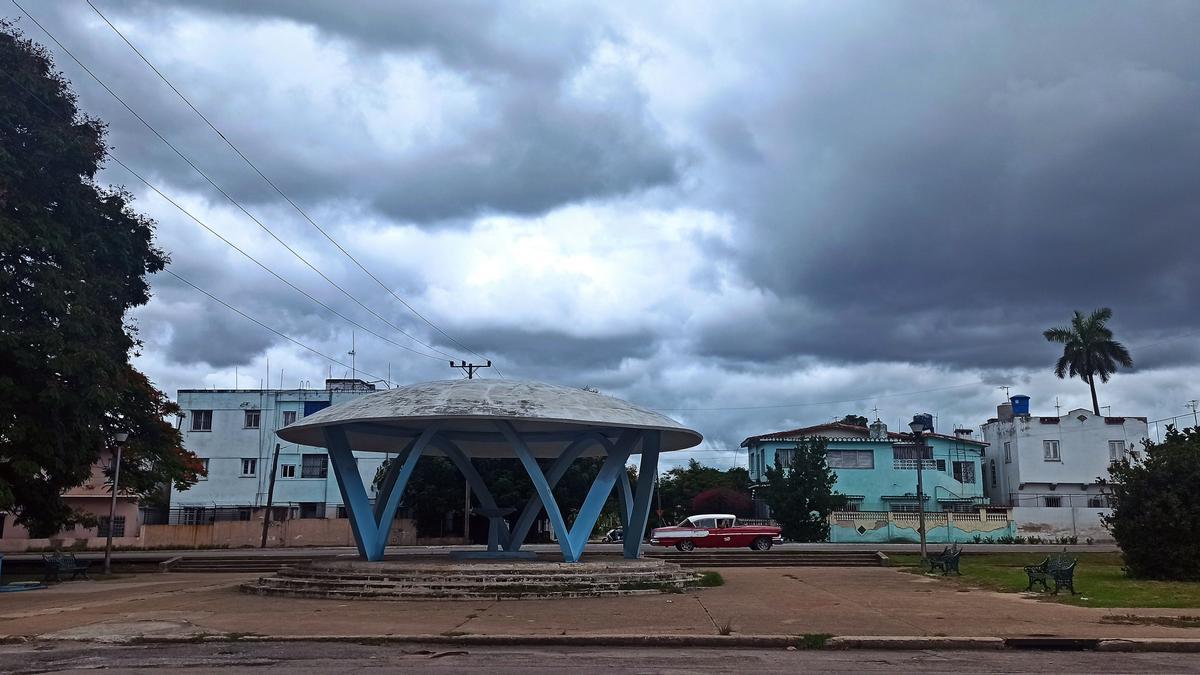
column 722, row 500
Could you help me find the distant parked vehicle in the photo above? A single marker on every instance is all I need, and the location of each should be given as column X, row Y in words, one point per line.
column 716, row 530
column 614, row 536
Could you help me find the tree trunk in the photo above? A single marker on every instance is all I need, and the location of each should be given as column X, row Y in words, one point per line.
column 1095, row 404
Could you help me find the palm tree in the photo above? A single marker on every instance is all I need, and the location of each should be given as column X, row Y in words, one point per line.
column 1089, row 350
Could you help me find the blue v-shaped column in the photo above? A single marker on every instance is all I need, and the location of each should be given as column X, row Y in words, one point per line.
column 371, row 528
column 573, row 540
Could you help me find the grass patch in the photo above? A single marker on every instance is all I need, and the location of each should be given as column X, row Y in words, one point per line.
column 1100, row 580
column 711, row 579
column 813, row 640
column 725, row 628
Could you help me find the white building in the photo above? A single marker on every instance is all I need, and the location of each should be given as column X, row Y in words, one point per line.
column 233, row 433
column 1042, row 464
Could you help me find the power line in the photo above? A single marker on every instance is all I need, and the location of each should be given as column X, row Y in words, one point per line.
column 275, row 187
column 218, row 188
column 260, row 323
column 113, row 157
column 815, row 403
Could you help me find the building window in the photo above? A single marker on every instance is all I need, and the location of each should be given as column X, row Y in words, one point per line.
column 752, row 471
column 118, row 529
column 1007, row 452
column 287, row 470
column 1099, row 502
column 993, row 463
column 253, row 417
column 245, row 515
column 785, row 458
column 289, row 416
column 341, row 512
column 1053, row 502
column 312, row 509
column 201, row 420
column 249, row 466
column 850, row 459
column 853, row 504
column 1116, row 451
column 204, row 466
column 964, row 472
column 1050, row 451
column 314, row 466
column 904, row 507
column 941, row 465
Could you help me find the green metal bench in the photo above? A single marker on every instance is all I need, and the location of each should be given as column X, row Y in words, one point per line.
column 947, row 560
column 58, row 565
column 1059, row 569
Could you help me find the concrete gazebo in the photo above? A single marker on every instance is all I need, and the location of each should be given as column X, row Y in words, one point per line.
column 461, row 419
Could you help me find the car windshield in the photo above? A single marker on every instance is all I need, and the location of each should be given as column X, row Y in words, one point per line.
column 686, row 522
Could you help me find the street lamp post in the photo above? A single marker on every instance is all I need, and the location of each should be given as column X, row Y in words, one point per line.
column 120, row 438
column 918, row 430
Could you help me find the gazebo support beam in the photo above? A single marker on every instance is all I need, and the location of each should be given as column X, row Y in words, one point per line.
column 371, row 528
column 559, row 468
column 640, row 514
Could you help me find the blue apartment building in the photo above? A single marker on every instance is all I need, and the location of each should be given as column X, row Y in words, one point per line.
column 878, row 475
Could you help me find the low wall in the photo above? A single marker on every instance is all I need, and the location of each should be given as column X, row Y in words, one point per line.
column 248, row 533
column 1057, row 523
column 879, row 527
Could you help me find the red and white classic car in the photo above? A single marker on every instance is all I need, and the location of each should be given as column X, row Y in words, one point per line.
column 716, row 530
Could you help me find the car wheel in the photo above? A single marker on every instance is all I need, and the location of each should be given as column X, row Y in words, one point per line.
column 761, row 544
column 685, row 545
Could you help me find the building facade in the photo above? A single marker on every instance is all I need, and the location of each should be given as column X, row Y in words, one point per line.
column 1055, row 461
column 92, row 498
column 233, row 432
column 877, row 472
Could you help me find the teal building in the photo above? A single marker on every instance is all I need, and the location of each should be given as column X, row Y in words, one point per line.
column 876, row 475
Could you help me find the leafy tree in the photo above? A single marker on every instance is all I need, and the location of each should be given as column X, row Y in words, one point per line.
column 73, row 261
column 856, row 420
column 680, row 486
column 722, row 500
column 1155, row 514
column 1089, row 350
column 801, row 496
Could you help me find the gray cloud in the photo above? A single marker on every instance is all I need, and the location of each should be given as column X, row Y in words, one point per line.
column 904, row 196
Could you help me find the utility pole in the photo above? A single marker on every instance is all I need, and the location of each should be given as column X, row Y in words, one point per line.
column 469, row 368
column 270, row 497
column 1194, row 405
column 121, row 437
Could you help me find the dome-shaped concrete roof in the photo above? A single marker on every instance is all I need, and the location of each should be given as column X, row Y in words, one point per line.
column 467, row 409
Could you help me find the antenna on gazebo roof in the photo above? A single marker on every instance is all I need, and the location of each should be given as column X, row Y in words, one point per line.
column 469, row 368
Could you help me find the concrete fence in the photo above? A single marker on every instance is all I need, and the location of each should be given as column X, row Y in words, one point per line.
column 941, row 526
column 1057, row 523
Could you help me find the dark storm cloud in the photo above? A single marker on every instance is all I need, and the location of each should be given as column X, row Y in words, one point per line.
column 558, row 355
column 948, row 191
column 533, row 147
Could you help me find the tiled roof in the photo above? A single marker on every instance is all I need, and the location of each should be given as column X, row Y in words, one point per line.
column 815, row 431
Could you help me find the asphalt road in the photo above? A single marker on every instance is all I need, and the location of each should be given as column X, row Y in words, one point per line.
column 318, row 657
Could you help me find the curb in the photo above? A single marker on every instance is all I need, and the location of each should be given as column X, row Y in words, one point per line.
column 792, row 642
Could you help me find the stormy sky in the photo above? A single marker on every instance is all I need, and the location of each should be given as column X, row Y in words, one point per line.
column 753, row 216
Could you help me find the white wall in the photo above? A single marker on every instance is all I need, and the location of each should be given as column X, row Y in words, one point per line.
column 1049, row 523
column 1083, row 440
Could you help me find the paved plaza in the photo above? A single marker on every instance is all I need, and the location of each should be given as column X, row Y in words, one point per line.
column 753, row 601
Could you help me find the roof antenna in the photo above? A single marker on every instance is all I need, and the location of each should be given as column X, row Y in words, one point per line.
column 1005, row 387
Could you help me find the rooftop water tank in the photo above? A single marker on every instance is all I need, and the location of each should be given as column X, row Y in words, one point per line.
column 1020, row 405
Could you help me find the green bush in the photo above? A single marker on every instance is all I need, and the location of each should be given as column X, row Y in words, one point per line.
column 1155, row 514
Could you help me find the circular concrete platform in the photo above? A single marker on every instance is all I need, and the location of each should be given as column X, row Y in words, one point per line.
column 445, row 579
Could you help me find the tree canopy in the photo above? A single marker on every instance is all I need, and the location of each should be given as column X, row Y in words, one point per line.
column 801, row 496
column 73, row 260
column 679, row 487
column 1089, row 350
column 1155, row 514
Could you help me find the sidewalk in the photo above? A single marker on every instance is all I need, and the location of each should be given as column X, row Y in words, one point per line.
column 753, row 602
